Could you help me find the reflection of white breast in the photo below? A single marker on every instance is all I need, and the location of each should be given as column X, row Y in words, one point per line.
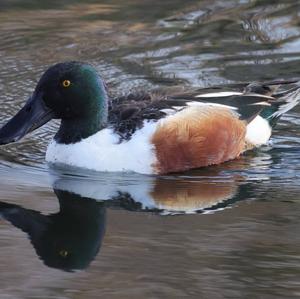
column 172, row 196
column 109, row 188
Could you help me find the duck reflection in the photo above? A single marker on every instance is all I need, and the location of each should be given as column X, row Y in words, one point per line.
column 70, row 239
column 67, row 240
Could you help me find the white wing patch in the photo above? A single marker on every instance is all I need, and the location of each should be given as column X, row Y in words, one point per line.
column 168, row 111
column 260, row 104
column 174, row 109
column 219, row 94
column 211, row 104
column 232, row 93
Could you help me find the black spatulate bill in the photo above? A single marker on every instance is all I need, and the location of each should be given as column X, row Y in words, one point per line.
column 32, row 116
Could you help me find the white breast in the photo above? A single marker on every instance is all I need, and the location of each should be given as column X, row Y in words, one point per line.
column 103, row 152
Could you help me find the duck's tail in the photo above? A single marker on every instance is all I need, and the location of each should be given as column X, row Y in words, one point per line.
column 283, row 100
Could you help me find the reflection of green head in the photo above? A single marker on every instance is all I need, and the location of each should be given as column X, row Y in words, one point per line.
column 68, row 240
column 74, row 238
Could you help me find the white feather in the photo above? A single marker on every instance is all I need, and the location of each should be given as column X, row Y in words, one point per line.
column 258, row 131
column 291, row 99
column 178, row 107
column 259, row 96
column 103, row 152
column 219, row 94
column 210, row 104
column 168, row 111
column 261, row 104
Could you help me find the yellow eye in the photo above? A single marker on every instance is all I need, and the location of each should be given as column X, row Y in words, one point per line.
column 63, row 253
column 66, row 83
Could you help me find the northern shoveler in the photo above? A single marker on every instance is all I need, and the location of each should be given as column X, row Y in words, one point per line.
column 147, row 133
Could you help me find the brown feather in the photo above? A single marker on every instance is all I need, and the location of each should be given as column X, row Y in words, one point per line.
column 196, row 137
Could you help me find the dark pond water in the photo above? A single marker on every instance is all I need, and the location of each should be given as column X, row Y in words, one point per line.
column 230, row 231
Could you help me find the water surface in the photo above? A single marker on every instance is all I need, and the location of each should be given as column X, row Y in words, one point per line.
column 229, row 231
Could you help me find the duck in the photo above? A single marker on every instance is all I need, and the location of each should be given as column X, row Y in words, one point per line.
column 148, row 133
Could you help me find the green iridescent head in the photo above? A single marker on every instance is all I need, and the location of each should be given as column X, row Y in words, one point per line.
column 70, row 91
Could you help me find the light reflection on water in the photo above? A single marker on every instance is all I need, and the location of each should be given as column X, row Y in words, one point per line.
column 228, row 231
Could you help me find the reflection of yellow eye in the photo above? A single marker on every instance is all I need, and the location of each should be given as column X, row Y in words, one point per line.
column 66, row 83
column 63, row 253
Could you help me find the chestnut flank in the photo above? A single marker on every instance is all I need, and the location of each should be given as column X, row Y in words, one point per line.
column 198, row 136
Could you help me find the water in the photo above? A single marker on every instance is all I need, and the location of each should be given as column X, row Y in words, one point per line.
column 229, row 231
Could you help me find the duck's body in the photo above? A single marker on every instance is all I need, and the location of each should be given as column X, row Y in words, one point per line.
column 195, row 137
column 149, row 134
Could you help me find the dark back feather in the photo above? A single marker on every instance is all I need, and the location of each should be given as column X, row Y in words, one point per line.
column 127, row 113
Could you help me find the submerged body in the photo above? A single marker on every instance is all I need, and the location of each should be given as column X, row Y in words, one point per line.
column 148, row 134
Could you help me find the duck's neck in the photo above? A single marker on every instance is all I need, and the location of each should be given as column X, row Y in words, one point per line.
column 74, row 130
